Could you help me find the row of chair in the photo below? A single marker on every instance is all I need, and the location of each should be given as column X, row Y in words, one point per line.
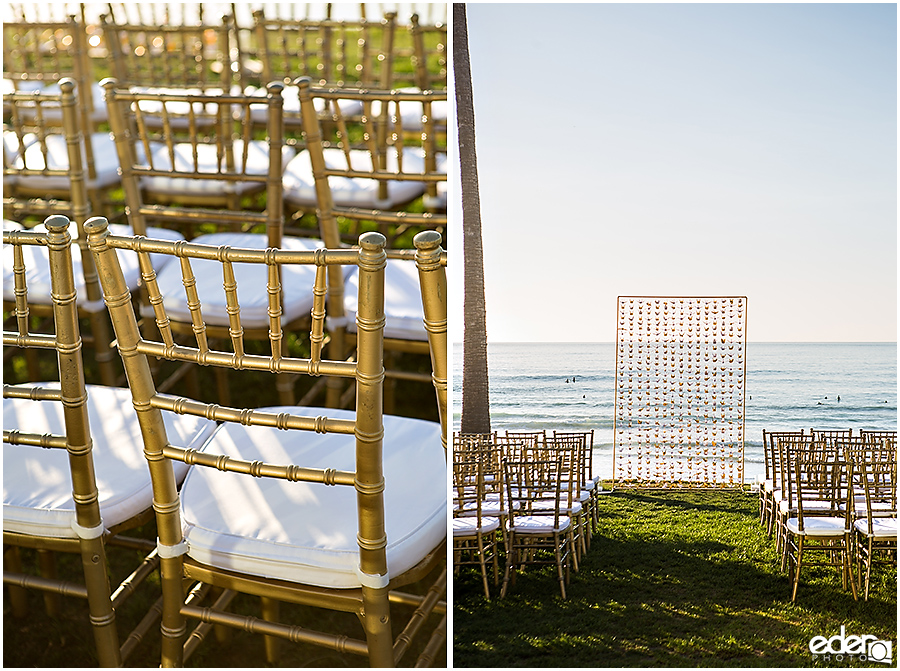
column 833, row 494
column 529, row 497
column 184, row 179
column 341, row 513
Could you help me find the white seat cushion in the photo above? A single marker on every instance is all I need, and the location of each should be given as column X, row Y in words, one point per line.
column 300, row 186
column 468, row 526
column 882, row 527
column 297, row 281
column 404, row 316
column 818, row 526
column 106, row 163
column 98, row 102
column 37, row 483
column 208, row 162
column 306, row 532
column 291, row 96
column 538, row 524
column 37, row 266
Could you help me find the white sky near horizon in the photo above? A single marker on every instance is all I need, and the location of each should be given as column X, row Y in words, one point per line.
column 684, row 149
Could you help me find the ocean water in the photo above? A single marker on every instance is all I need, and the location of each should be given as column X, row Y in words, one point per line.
column 571, row 387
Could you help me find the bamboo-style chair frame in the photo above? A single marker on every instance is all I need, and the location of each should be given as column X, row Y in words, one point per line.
column 73, row 202
column 475, row 533
column 194, row 57
column 340, row 54
column 430, row 53
column 379, row 140
column 371, row 601
column 820, row 481
column 89, row 526
column 770, row 488
column 44, row 53
column 205, row 121
column 381, row 128
column 875, row 508
column 529, row 482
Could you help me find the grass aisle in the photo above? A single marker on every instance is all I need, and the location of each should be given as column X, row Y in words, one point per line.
column 672, row 579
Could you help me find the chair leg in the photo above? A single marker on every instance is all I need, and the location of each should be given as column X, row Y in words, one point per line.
column 18, row 596
column 559, row 566
column 52, row 601
column 172, row 625
column 270, row 612
column 103, row 617
column 377, row 625
column 484, row 578
column 795, row 578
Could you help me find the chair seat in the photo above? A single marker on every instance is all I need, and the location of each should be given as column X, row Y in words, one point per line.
column 404, row 317
column 300, row 186
column 106, row 163
column 489, row 507
column 882, row 527
column 37, row 266
column 818, row 526
column 550, row 504
column 291, row 95
column 306, row 532
column 468, row 526
column 208, row 162
column 538, row 524
column 297, row 282
column 37, row 487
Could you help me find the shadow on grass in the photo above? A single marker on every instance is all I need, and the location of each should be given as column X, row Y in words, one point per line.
column 666, row 583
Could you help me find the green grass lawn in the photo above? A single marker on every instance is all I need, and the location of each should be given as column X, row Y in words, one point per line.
column 673, row 578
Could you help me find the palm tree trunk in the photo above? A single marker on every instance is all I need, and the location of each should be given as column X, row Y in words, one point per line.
column 476, row 416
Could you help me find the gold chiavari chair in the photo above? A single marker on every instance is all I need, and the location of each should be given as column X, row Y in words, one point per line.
column 536, row 533
column 474, row 531
column 43, row 174
column 590, row 483
column 875, row 529
column 73, row 472
column 878, row 434
column 202, row 174
column 783, row 505
column 37, row 55
column 770, row 487
column 161, row 57
column 363, row 172
column 574, row 501
column 332, row 177
column 820, row 482
column 351, row 513
column 429, row 53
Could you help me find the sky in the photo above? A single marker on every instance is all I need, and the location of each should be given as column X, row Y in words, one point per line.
column 684, row 150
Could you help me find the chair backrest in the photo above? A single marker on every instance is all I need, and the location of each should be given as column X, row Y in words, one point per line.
column 587, row 451
column 201, row 161
column 66, row 340
column 771, row 453
column 43, row 160
column 37, row 54
column 429, row 53
column 531, row 482
column 196, row 57
column 821, row 480
column 831, row 433
column 343, row 54
column 369, row 150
